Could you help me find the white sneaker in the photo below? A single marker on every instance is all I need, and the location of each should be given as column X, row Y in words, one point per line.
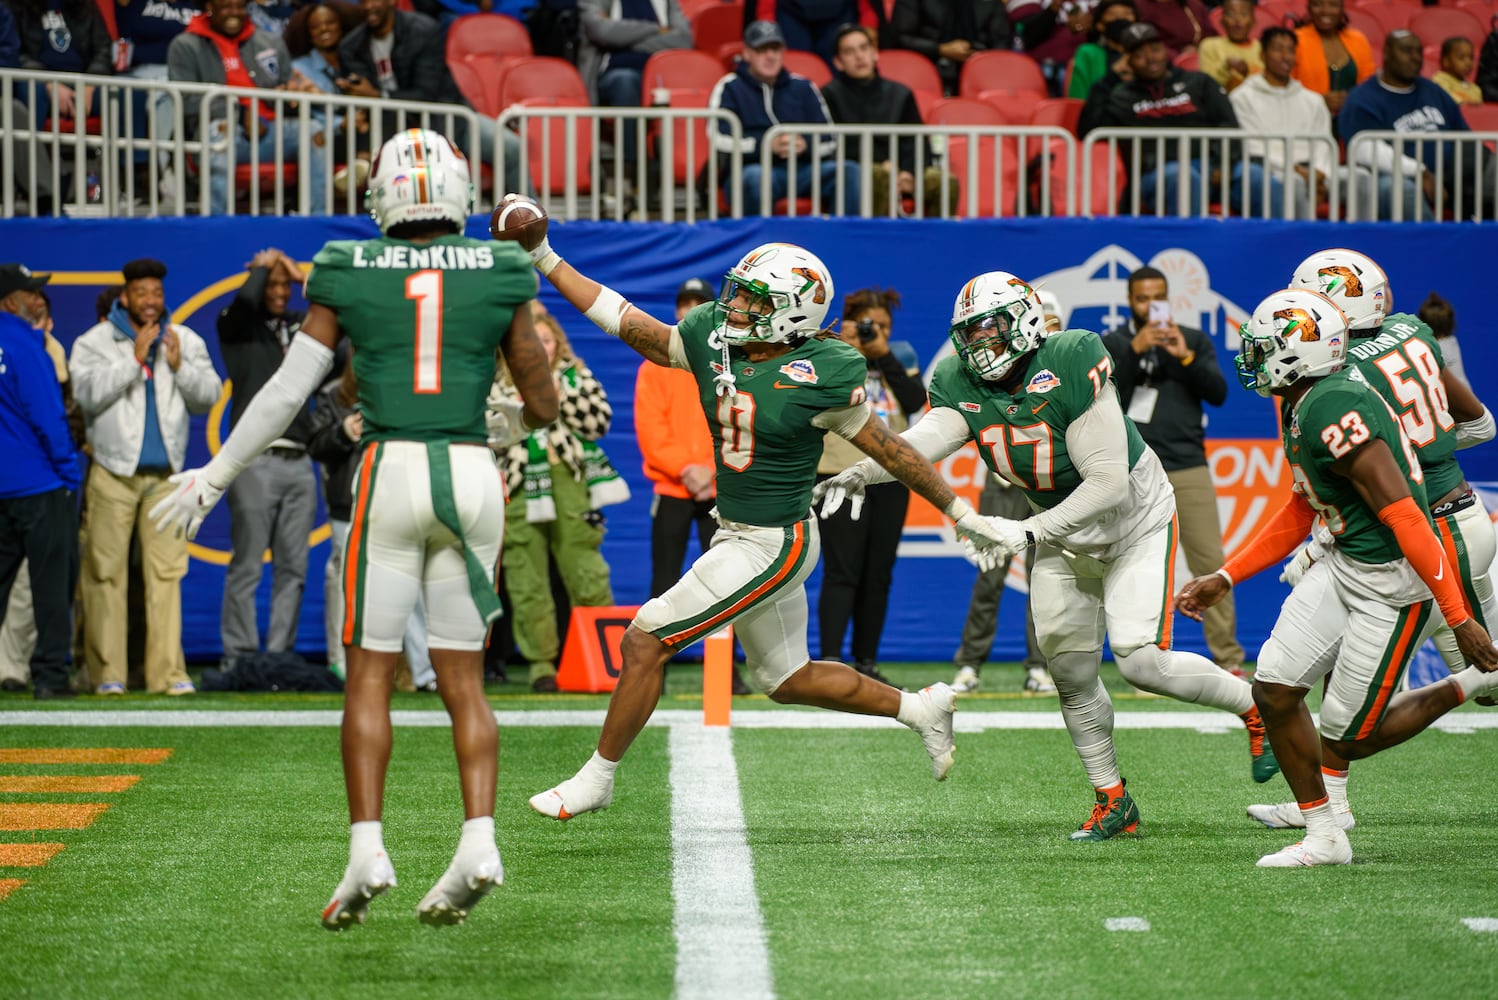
column 465, row 882
column 1038, row 681
column 966, row 681
column 1286, row 815
column 935, row 728
column 1310, row 852
column 361, row 883
column 573, row 797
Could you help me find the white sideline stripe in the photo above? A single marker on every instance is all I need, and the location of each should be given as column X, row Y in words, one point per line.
column 720, row 935
column 1126, row 924
column 964, row 722
column 1482, row 925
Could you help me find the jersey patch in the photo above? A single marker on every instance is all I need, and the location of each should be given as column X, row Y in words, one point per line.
column 967, row 407
column 801, row 370
column 1043, row 381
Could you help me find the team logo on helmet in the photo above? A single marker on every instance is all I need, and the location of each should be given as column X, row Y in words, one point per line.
column 1021, row 283
column 813, row 280
column 800, row 370
column 1298, row 322
column 1331, row 277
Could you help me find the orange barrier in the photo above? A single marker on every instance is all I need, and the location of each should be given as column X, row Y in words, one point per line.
column 592, row 659
column 717, row 677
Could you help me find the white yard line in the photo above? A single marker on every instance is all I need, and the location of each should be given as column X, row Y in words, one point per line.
column 1126, row 924
column 720, row 935
column 1481, row 925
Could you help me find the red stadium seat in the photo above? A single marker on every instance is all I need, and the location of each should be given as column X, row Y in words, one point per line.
column 541, row 77
column 492, row 36
column 549, row 175
column 1188, row 60
column 1000, row 70
column 1390, row 16
column 912, row 69
column 1369, row 26
column 964, row 111
column 1063, row 111
column 1484, row 10
column 1436, row 24
column 680, row 69
column 809, row 65
column 482, row 97
column 1481, row 117
column 686, row 164
column 691, row 8
column 728, row 54
column 716, row 25
column 1014, row 106
column 979, row 176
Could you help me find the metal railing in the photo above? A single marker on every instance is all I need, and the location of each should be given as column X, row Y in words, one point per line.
column 1422, row 176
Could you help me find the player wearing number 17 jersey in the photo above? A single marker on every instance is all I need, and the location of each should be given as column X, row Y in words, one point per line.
column 1359, row 613
column 1046, row 418
column 425, row 309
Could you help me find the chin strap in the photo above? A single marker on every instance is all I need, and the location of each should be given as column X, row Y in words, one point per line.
column 725, row 382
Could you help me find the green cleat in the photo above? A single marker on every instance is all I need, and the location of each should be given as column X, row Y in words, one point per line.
column 1260, row 753
column 1112, row 815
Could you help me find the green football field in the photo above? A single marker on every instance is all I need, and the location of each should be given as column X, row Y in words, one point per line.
column 801, row 854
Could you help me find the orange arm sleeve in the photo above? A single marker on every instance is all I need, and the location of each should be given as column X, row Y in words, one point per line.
column 1423, row 550
column 1286, row 529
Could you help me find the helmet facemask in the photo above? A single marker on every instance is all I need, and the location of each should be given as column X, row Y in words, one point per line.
column 752, row 305
column 991, row 342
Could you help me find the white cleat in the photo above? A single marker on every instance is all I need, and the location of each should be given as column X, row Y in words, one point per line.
column 1311, row 852
column 573, row 797
column 935, row 728
column 1286, row 815
column 966, row 681
column 460, row 888
column 1038, row 681
column 361, row 883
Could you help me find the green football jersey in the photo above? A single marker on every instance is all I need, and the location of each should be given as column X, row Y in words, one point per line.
column 1022, row 436
column 1340, row 414
column 765, row 445
column 425, row 321
column 1403, row 363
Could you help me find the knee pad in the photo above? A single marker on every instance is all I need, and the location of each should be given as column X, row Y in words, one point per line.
column 1075, row 673
column 1140, row 666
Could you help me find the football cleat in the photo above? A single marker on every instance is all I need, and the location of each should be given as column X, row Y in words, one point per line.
column 1112, row 816
column 966, row 681
column 460, row 888
column 361, row 883
column 935, row 728
column 1260, row 753
column 573, row 797
column 1310, row 852
column 1038, row 681
column 1287, row 815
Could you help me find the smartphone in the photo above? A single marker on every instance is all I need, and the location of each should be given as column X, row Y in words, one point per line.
column 1159, row 312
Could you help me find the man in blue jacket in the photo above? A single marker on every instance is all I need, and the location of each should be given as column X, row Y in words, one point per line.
column 37, row 519
column 762, row 93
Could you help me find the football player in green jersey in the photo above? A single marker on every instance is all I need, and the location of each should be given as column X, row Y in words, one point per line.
column 1046, row 419
column 1399, row 356
column 425, row 309
column 771, row 388
column 1359, row 613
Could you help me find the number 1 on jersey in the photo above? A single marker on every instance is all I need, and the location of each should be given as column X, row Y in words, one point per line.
column 426, row 288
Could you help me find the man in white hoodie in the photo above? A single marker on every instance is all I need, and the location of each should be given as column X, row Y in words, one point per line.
column 1273, row 103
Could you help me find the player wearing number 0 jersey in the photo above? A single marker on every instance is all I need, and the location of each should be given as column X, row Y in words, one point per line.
column 1400, row 358
column 771, row 388
column 1359, row 613
column 1047, row 419
column 425, row 309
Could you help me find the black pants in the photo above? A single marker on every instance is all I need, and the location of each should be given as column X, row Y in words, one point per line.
column 670, row 524
column 858, row 563
column 43, row 529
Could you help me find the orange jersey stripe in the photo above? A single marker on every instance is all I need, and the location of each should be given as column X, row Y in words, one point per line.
column 1399, row 652
column 1169, row 612
column 355, row 541
column 739, row 606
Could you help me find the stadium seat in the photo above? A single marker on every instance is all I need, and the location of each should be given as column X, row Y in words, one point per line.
column 1391, row 16
column 679, row 69
column 912, row 69
column 964, row 111
column 1063, row 111
column 1000, row 70
column 549, row 176
column 1188, row 59
column 1436, row 24
column 1484, row 10
column 541, row 77
column 691, row 8
column 684, row 167
column 1015, row 107
column 1282, row 9
column 728, row 54
column 716, row 25
column 1370, row 27
column 809, row 65
column 482, row 97
column 1481, row 117
column 490, row 36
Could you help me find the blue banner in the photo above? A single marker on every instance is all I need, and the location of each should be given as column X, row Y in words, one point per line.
column 1217, row 270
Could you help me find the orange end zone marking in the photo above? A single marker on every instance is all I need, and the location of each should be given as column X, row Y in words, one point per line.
column 10, row 885
column 27, row 855
column 67, row 782
column 91, row 755
column 50, row 815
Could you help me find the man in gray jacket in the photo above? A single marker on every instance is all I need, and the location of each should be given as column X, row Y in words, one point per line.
column 618, row 37
column 137, row 377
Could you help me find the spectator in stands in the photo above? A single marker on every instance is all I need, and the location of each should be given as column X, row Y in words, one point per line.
column 146, row 29
column 137, row 377
column 1487, row 68
column 1102, row 57
column 1164, row 374
column 38, row 495
column 335, row 435
column 313, row 36
column 1230, row 57
column 1437, row 313
column 10, row 39
column 1050, row 32
column 812, row 25
column 558, row 480
column 858, row 95
column 1183, row 24
column 273, row 503
column 1331, row 56
column 1457, row 58
column 445, row 12
column 948, row 32
column 618, row 36
column 1275, row 103
column 271, row 16
column 762, row 93
column 858, row 556
column 63, row 36
column 402, row 56
column 37, row 187
column 1163, row 95
column 222, row 47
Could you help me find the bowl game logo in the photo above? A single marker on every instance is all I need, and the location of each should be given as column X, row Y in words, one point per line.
column 801, row 370
column 1043, row 382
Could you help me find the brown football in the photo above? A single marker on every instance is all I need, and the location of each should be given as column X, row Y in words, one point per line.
column 519, row 219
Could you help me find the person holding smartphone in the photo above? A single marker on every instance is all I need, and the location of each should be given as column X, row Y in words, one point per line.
column 1164, row 373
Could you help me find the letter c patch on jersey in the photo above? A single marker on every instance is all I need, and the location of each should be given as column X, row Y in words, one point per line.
column 801, row 370
column 1044, row 381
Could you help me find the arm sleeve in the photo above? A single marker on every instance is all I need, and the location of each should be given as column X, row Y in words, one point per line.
column 725, row 98
column 1479, row 431
column 1418, row 543
column 907, row 389
column 613, row 33
column 904, row 20
column 1098, row 443
column 99, row 378
column 101, row 51
column 181, row 67
column 845, row 421
column 241, row 311
column 42, row 402
column 271, row 411
column 936, row 435
column 1276, row 540
column 677, row 349
column 196, row 378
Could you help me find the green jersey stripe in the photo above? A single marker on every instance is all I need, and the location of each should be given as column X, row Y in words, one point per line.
column 1397, row 654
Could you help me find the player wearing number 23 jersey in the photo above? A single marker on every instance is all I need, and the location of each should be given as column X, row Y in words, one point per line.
column 1045, row 415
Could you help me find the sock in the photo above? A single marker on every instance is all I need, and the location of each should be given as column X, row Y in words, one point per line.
column 366, row 838
column 599, row 768
column 1319, row 821
column 1336, row 789
column 912, row 711
column 478, row 834
column 1472, row 682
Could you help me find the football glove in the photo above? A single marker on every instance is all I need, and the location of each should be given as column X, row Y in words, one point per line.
column 503, row 417
column 1311, row 553
column 1003, row 536
column 182, row 512
column 848, row 486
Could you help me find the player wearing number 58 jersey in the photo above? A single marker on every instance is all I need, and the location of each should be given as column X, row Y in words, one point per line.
column 425, row 309
column 1359, row 613
column 1046, row 418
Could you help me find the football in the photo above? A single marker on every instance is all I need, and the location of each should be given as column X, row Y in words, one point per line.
column 519, row 219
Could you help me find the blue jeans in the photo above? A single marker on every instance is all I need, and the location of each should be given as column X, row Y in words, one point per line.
column 620, row 88
column 780, row 178
column 1246, row 177
column 313, row 168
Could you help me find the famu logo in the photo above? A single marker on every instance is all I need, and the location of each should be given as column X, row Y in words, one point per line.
column 814, row 284
column 800, row 370
column 1298, row 323
column 1345, row 278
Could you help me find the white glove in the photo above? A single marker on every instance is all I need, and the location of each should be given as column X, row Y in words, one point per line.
column 182, row 513
column 846, row 485
column 1314, row 551
column 1004, row 536
column 504, row 420
column 987, row 559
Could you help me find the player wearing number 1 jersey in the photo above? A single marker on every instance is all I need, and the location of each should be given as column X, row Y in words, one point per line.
column 1046, row 418
column 1359, row 613
column 425, row 309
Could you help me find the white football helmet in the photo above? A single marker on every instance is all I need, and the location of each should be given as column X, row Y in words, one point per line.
column 419, row 177
column 1292, row 335
column 1353, row 281
column 996, row 320
column 778, row 293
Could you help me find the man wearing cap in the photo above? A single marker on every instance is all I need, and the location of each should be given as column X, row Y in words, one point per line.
column 1163, row 95
column 38, row 523
column 762, row 94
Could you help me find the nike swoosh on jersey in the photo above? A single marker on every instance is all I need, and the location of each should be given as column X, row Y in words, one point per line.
column 1042, row 406
column 786, row 385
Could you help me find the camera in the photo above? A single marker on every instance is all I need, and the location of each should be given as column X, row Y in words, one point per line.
column 866, row 332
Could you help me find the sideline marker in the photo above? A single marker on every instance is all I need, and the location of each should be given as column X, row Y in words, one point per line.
column 717, row 677
column 591, row 659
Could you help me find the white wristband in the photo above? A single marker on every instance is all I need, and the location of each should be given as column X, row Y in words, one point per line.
column 547, row 262
column 607, row 310
column 1224, row 574
column 958, row 509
